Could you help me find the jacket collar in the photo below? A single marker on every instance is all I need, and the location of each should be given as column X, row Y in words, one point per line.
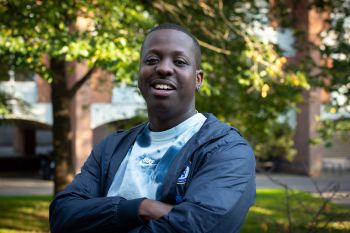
column 212, row 129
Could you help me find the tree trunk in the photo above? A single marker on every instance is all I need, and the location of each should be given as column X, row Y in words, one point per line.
column 62, row 130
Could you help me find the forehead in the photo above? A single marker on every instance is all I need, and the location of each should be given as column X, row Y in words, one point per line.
column 169, row 39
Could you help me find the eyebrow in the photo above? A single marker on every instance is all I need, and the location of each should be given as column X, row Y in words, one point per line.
column 176, row 52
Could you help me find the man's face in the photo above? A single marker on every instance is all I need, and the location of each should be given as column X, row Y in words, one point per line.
column 168, row 74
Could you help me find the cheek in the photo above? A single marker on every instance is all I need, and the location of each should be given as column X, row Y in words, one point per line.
column 190, row 81
column 143, row 74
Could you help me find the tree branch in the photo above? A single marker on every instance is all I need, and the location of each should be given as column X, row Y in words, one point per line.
column 81, row 82
column 213, row 48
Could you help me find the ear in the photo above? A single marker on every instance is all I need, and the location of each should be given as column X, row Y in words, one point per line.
column 199, row 78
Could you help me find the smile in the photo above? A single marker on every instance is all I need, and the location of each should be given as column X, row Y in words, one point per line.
column 163, row 87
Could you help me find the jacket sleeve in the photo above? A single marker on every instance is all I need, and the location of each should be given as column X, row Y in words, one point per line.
column 81, row 207
column 218, row 197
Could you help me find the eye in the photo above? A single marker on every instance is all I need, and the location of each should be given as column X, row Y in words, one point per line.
column 151, row 60
column 180, row 62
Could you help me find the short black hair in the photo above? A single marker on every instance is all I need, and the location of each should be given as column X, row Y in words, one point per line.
column 197, row 48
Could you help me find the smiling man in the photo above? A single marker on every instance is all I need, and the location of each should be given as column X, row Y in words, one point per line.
column 182, row 171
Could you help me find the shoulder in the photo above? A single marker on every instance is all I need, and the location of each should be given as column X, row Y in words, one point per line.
column 231, row 144
column 113, row 139
column 219, row 132
column 223, row 140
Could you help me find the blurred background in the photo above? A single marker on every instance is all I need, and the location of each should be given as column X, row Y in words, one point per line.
column 279, row 71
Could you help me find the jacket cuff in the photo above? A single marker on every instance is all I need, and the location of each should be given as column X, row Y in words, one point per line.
column 130, row 211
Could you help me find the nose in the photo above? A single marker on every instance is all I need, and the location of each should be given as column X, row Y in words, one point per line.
column 165, row 67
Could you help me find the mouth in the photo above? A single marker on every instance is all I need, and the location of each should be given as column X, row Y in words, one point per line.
column 162, row 88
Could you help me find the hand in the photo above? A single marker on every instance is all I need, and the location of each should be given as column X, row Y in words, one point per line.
column 153, row 210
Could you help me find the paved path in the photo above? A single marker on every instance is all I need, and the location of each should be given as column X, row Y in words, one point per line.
column 304, row 182
column 35, row 186
column 327, row 184
column 11, row 186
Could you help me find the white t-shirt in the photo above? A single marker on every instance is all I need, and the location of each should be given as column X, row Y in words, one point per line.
column 143, row 169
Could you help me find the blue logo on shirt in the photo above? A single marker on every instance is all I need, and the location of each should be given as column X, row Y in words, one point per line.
column 183, row 177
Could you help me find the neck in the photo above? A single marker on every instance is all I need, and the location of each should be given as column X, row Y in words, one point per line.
column 166, row 120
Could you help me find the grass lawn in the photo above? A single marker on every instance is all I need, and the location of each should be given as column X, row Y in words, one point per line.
column 24, row 214
column 269, row 214
column 30, row 214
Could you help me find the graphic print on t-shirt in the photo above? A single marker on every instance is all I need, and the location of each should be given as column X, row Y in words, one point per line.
column 143, row 170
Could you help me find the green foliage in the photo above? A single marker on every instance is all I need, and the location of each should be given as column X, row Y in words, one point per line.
column 335, row 75
column 278, row 143
column 4, row 103
column 327, row 129
column 9, row 101
column 336, row 46
column 102, row 33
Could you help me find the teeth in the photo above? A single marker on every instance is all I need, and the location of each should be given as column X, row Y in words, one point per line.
column 162, row 86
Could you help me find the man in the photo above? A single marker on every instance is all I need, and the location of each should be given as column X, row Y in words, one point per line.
column 183, row 171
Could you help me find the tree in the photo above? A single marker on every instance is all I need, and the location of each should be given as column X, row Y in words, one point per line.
column 47, row 36
column 250, row 82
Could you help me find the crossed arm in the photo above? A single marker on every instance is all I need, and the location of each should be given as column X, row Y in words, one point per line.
column 153, row 210
column 224, row 188
column 82, row 208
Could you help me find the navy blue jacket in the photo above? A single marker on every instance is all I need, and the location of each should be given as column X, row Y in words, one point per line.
column 215, row 197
